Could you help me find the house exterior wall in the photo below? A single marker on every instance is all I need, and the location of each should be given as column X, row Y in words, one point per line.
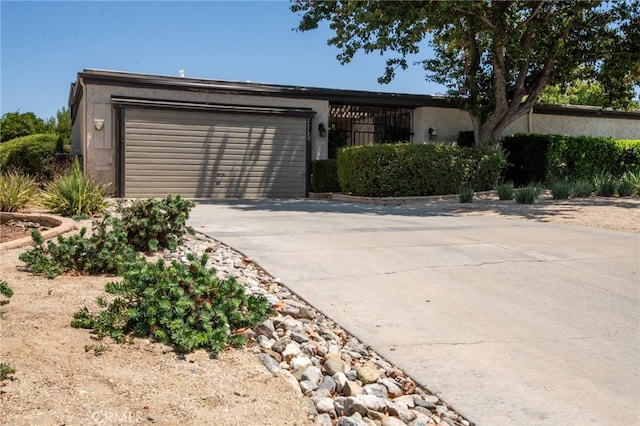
column 449, row 121
column 95, row 122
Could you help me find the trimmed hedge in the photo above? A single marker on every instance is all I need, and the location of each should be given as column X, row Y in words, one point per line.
column 412, row 170
column 549, row 158
column 32, row 155
column 324, row 176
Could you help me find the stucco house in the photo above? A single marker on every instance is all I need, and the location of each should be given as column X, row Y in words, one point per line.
column 149, row 135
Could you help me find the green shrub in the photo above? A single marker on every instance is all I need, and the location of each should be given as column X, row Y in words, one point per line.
column 105, row 251
column 466, row 194
column 526, row 195
column 32, row 155
column 582, row 188
column 633, row 176
column 152, row 224
column 178, row 304
column 466, row 138
column 605, row 184
column 74, row 194
column 6, row 292
column 561, row 190
column 626, row 188
column 324, row 176
column 548, row 158
column 505, row 191
column 411, row 170
column 17, row 191
column 6, row 370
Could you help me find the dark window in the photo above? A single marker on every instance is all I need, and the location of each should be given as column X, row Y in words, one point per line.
column 366, row 125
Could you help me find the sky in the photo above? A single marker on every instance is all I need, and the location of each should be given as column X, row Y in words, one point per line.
column 45, row 44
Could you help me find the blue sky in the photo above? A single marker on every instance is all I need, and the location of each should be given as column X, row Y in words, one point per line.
column 45, row 44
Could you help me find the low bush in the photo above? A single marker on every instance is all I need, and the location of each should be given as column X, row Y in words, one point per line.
column 6, row 370
column 466, row 138
column 549, row 158
column 105, row 251
column 17, row 191
column 324, row 176
column 6, row 292
column 633, row 177
column 626, row 188
column 505, row 191
column 582, row 188
column 31, row 155
column 74, row 194
column 561, row 190
column 466, row 194
column 412, row 170
column 526, row 195
column 178, row 304
column 605, row 184
column 153, row 224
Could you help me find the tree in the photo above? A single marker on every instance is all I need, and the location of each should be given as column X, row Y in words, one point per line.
column 62, row 124
column 579, row 92
column 495, row 57
column 15, row 124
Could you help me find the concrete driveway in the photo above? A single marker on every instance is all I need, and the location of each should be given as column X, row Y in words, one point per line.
column 511, row 322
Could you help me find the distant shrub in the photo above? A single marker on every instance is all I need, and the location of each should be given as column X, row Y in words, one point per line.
column 31, row 155
column 626, row 188
column 505, row 191
column 74, row 194
column 605, row 184
column 526, row 195
column 17, row 191
column 560, row 190
column 582, row 188
column 466, row 194
column 411, row 170
column 324, row 176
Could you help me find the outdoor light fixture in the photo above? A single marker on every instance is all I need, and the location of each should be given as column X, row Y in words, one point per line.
column 432, row 134
column 322, row 130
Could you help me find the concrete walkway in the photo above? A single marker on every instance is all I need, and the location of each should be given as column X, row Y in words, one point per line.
column 511, row 322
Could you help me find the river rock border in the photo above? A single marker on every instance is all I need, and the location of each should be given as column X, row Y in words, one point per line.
column 345, row 381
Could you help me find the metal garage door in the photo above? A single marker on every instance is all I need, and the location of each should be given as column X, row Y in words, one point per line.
column 214, row 155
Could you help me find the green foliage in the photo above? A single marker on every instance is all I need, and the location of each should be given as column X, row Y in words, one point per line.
column 548, row 158
column 178, row 304
column 105, row 251
column 466, row 194
column 495, row 57
column 582, row 188
column 337, row 139
column 466, row 138
column 153, row 224
column 633, row 177
column 505, row 191
column 581, row 92
column 6, row 292
column 324, row 176
column 63, row 126
column 526, row 195
column 31, row 155
column 96, row 349
column 605, row 184
column 17, row 191
column 561, row 190
column 16, row 125
column 412, row 170
column 6, row 370
column 626, row 188
column 74, row 194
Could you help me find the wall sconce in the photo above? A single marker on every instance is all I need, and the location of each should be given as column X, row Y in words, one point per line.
column 432, row 134
column 322, row 130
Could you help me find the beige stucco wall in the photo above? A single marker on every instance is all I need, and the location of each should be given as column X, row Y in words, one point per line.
column 449, row 121
column 99, row 144
column 446, row 121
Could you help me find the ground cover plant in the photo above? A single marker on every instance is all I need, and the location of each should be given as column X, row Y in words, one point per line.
column 560, row 190
column 505, row 191
column 6, row 292
column 526, row 195
column 178, row 304
column 466, row 194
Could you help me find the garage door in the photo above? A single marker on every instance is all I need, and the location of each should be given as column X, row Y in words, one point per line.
column 214, row 155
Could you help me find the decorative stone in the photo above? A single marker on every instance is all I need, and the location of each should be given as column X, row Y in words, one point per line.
column 368, row 373
column 328, row 383
column 323, row 420
column 392, row 421
column 355, row 405
column 291, row 350
column 333, row 365
column 376, row 389
column 401, row 412
column 312, row 374
column 300, row 362
column 350, row 421
column 405, row 401
column 351, row 388
column 341, row 381
column 392, row 387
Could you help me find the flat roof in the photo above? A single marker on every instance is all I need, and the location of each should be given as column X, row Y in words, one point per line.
column 335, row 96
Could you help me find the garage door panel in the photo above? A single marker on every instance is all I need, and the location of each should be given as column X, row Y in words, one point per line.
column 214, row 155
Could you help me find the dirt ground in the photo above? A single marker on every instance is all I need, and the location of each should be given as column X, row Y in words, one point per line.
column 64, row 377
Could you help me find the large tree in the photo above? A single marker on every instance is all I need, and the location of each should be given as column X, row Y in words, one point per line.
column 495, row 57
column 16, row 124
